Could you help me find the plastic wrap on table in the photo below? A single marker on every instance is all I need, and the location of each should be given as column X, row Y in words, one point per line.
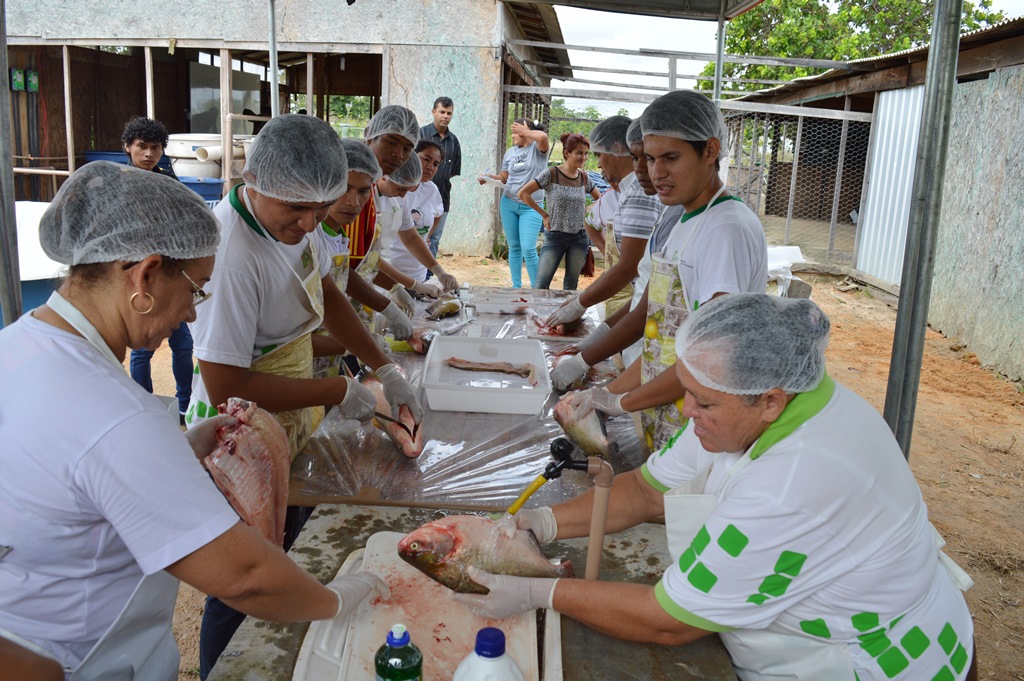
column 469, row 458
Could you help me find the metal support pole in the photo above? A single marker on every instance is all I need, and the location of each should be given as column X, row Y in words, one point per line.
column 310, row 96
column 720, row 52
column 275, row 104
column 68, row 127
column 922, row 228
column 865, row 183
column 672, row 74
column 10, row 281
column 840, row 162
column 225, row 119
column 792, row 177
column 150, row 91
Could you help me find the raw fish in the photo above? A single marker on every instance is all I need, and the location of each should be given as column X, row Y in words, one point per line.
column 586, row 430
column 527, row 371
column 421, row 339
column 572, row 328
column 444, row 307
column 250, row 466
column 410, row 446
column 445, row 549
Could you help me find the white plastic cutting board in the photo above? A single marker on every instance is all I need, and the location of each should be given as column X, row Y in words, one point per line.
column 440, row 627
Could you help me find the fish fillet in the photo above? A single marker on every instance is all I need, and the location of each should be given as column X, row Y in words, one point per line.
column 250, row 466
column 527, row 371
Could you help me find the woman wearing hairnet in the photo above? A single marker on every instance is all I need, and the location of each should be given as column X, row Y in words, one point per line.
column 273, row 288
column 796, row 529
column 718, row 247
column 95, row 471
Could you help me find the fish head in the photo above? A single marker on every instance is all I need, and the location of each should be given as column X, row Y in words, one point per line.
column 427, row 548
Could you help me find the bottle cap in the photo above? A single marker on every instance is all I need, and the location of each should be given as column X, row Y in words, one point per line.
column 490, row 642
column 399, row 637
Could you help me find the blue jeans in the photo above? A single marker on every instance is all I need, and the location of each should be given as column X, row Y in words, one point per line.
column 557, row 244
column 522, row 225
column 181, row 365
column 220, row 621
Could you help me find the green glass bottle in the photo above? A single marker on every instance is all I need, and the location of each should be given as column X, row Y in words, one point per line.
column 398, row 659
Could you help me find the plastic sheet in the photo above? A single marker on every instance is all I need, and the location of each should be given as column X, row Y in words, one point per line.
column 469, row 458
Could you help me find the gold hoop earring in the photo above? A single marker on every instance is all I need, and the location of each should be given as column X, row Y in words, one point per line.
column 131, row 303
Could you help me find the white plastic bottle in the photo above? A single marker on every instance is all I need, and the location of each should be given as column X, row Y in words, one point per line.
column 488, row 661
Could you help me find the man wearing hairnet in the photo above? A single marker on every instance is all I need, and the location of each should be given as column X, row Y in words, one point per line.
column 717, row 247
column 627, row 233
column 271, row 290
column 795, row 528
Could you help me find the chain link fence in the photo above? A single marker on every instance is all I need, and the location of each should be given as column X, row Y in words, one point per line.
column 803, row 176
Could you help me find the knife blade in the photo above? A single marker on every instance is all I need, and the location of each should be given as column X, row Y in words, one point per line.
column 404, row 427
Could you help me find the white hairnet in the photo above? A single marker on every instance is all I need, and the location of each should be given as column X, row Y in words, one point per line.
column 361, row 158
column 297, row 158
column 409, row 173
column 107, row 212
column 393, row 120
column 634, row 133
column 749, row 343
column 687, row 115
column 609, row 136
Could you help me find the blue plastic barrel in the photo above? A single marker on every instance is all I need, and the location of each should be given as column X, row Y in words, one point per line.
column 207, row 187
column 121, row 157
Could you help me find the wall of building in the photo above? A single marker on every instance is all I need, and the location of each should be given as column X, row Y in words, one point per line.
column 429, row 48
column 979, row 265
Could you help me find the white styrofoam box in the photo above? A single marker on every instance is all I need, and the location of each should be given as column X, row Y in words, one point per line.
column 501, row 303
column 491, row 392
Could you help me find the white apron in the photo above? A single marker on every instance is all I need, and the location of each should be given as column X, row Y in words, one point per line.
column 774, row 654
column 139, row 645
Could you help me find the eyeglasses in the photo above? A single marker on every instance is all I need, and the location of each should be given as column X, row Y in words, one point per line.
column 198, row 294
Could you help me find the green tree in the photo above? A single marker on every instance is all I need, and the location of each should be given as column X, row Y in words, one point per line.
column 830, row 29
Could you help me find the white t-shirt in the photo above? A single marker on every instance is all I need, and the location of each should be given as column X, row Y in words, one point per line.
column 258, row 301
column 727, row 253
column 99, row 487
column 600, row 212
column 824, row 532
column 423, row 206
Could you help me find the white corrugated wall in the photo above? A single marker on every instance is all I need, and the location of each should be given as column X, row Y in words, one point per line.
column 883, row 228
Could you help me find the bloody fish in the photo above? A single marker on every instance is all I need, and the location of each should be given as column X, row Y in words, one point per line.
column 421, row 339
column 586, row 430
column 443, row 307
column 250, row 466
column 572, row 328
column 407, row 444
column 445, row 549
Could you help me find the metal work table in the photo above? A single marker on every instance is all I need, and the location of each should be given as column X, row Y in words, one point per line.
column 262, row 651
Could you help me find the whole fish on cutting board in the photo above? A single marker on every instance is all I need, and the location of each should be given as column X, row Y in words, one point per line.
column 443, row 307
column 445, row 549
column 250, row 466
column 408, row 445
column 587, row 430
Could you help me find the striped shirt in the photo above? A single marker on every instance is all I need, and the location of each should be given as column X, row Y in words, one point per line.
column 637, row 213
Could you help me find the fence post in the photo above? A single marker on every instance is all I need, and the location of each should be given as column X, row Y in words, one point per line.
column 839, row 184
column 792, row 177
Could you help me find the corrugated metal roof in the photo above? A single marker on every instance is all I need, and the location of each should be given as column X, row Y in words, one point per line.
column 703, row 10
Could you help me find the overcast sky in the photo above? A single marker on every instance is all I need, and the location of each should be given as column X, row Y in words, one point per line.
column 627, row 31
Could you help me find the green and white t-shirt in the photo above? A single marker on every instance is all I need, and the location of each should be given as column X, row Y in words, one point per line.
column 823, row 533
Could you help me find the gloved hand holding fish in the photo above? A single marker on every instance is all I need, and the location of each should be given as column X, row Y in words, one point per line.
column 398, row 322
column 448, row 281
column 568, row 371
column 426, row 289
column 410, row 445
column 445, row 549
column 586, row 428
column 571, row 328
column 250, row 466
column 600, row 399
column 507, row 595
column 204, row 438
column 402, row 299
column 540, row 521
column 589, row 340
column 570, row 311
column 398, row 391
column 444, row 307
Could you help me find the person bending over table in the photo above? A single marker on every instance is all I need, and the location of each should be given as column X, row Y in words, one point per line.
column 103, row 504
column 796, row 529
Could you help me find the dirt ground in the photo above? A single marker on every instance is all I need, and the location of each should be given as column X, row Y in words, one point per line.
column 966, row 454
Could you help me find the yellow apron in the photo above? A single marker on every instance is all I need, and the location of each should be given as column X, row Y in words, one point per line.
column 293, row 360
column 667, row 308
column 612, row 256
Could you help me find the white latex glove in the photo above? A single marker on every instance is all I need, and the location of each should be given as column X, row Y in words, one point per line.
column 508, row 595
column 541, row 521
column 402, row 299
column 399, row 391
column 400, row 325
column 352, row 590
column 599, row 399
column 569, row 371
column 202, row 437
column 426, row 288
column 381, row 342
column 448, row 281
column 359, row 402
column 594, row 336
column 569, row 312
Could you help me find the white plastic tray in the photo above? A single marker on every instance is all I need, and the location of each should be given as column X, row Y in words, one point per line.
column 443, row 630
column 491, row 392
column 501, row 303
